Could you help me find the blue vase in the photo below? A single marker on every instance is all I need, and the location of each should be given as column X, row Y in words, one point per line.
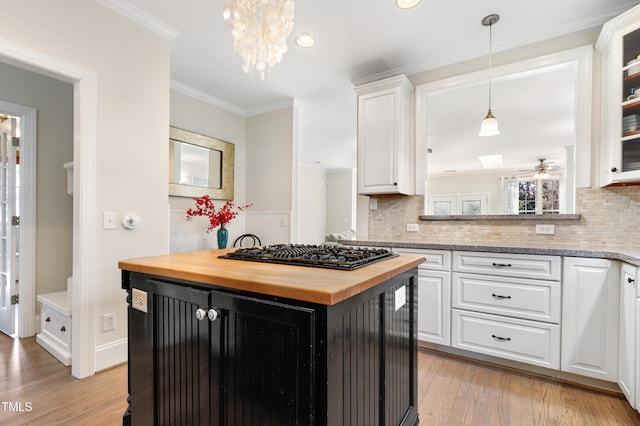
column 223, row 236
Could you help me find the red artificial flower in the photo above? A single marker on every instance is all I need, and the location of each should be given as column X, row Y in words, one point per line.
column 219, row 217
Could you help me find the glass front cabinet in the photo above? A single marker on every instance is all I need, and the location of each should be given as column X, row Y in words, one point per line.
column 619, row 43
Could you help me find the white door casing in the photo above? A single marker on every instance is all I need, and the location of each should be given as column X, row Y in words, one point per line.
column 85, row 222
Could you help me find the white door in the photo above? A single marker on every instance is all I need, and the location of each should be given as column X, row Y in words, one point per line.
column 8, row 228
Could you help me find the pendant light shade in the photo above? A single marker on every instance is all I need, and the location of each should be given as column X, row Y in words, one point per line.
column 489, row 125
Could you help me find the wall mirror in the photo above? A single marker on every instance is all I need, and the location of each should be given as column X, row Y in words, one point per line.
column 200, row 165
column 543, row 107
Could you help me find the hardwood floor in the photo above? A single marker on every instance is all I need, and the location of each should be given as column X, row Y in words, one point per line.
column 47, row 394
column 455, row 391
column 452, row 392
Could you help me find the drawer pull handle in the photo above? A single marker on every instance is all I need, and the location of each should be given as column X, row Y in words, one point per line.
column 498, row 296
column 63, row 328
column 502, row 339
column 501, row 265
column 48, row 319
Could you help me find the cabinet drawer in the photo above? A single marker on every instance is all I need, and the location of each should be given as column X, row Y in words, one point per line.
column 435, row 260
column 515, row 297
column 508, row 265
column 519, row 340
column 55, row 325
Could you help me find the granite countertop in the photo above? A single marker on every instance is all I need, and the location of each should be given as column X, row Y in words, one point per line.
column 316, row 285
column 623, row 253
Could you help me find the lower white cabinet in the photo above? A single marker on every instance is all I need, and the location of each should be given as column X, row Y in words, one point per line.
column 434, row 295
column 532, row 342
column 627, row 343
column 434, row 307
column 55, row 325
column 590, row 317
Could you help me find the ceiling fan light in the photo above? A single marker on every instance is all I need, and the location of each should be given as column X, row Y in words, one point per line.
column 489, row 126
column 542, row 175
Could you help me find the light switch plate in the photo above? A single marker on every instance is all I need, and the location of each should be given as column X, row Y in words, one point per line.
column 545, row 229
column 109, row 220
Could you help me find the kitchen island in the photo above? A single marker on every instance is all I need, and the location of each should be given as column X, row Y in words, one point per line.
column 222, row 341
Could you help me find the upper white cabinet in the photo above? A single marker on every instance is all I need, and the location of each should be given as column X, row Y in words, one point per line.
column 385, row 148
column 619, row 43
column 590, row 309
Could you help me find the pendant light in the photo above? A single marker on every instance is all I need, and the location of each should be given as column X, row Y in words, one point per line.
column 489, row 125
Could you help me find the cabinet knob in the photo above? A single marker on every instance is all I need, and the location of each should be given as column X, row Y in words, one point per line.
column 63, row 328
column 213, row 314
column 48, row 319
column 614, row 169
column 201, row 314
column 630, row 280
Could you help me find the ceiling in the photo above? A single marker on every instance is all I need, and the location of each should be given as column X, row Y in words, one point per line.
column 357, row 41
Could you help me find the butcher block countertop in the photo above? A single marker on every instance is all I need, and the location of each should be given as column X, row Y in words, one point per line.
column 316, row 285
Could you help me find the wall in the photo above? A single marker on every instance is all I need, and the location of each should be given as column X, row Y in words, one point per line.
column 272, row 173
column 341, row 208
column 132, row 69
column 609, row 216
column 196, row 115
column 53, row 100
column 312, row 204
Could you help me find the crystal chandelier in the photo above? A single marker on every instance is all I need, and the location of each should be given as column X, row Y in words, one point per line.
column 260, row 29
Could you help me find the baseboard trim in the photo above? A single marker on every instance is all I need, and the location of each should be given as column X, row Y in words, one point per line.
column 111, row 354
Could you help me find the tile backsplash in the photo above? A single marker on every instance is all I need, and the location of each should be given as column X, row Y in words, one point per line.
column 609, row 216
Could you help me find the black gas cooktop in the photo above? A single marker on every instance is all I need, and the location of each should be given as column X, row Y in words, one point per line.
column 334, row 257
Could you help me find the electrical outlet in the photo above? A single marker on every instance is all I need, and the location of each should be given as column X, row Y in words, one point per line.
column 413, row 227
column 109, row 321
column 139, row 300
column 545, row 229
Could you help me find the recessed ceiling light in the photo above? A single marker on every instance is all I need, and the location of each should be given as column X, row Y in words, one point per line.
column 407, row 4
column 305, row 40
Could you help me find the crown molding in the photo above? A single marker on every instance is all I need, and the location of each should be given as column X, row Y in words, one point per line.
column 207, row 98
column 140, row 17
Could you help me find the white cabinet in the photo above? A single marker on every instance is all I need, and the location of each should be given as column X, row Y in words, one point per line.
column 434, row 295
column 385, row 148
column 619, row 43
column 55, row 325
column 507, row 305
column 627, row 344
column 590, row 299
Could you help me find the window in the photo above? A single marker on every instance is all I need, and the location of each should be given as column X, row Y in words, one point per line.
column 539, row 196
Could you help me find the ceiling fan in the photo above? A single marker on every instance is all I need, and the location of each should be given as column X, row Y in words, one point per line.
column 542, row 169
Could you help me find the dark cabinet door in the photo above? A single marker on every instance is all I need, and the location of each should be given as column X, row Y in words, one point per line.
column 169, row 365
column 263, row 357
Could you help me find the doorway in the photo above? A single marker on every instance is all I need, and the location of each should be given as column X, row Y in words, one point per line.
column 24, row 234
column 85, row 88
column 9, row 223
